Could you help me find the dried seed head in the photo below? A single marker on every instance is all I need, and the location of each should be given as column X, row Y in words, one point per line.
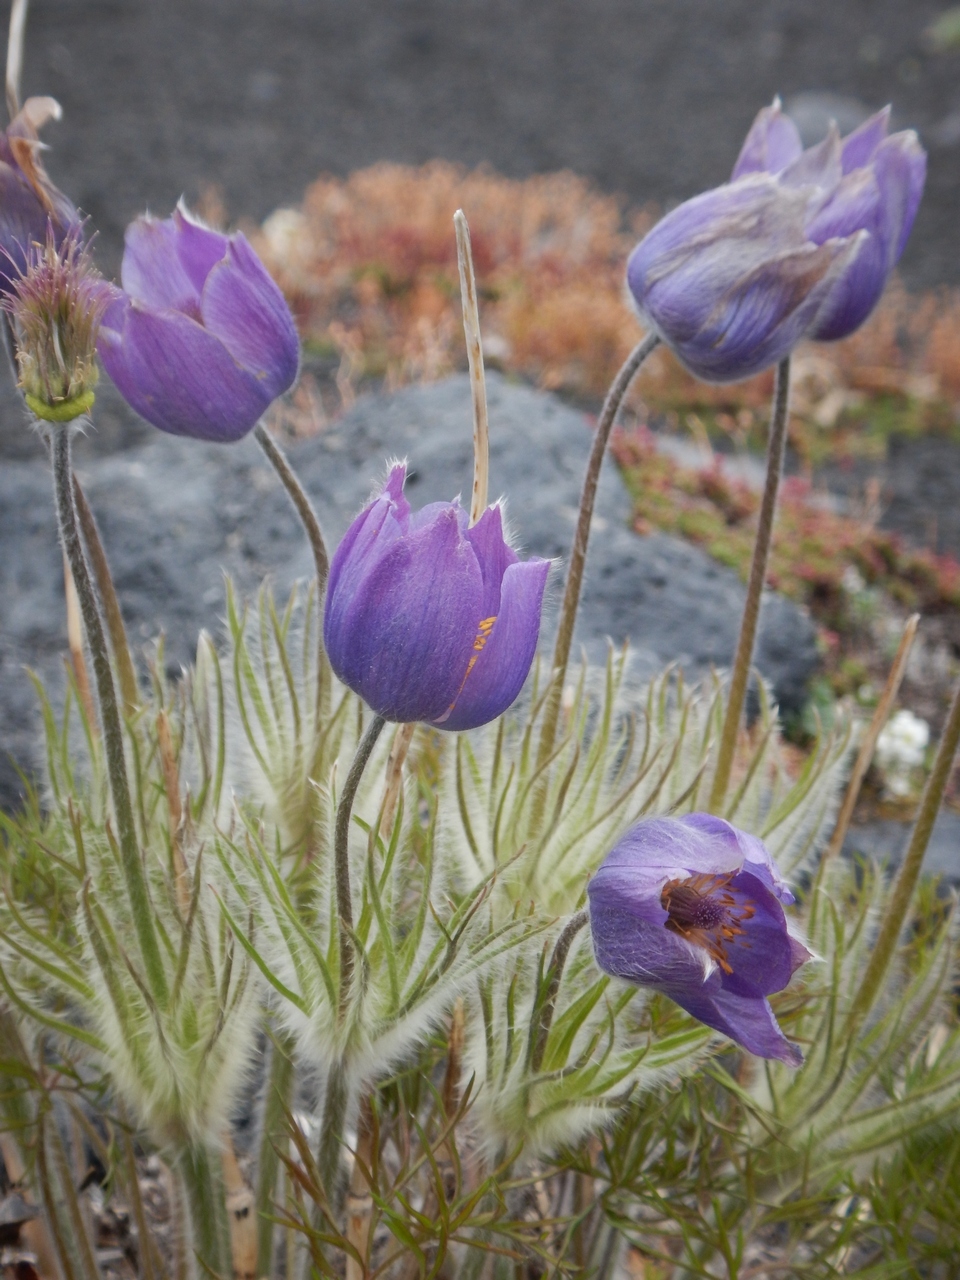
column 56, row 307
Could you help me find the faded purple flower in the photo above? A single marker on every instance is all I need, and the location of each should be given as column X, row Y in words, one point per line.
column 797, row 244
column 693, row 907
column 29, row 202
column 427, row 618
column 202, row 341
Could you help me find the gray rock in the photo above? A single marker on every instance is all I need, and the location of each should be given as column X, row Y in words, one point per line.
column 887, row 841
column 175, row 514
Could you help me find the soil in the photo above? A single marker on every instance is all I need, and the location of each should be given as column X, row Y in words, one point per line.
column 651, row 98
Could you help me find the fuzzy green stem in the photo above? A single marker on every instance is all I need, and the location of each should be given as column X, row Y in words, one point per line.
column 276, row 1105
column 332, row 1124
column 776, row 449
column 341, row 853
column 311, row 524
column 131, row 861
column 557, row 963
column 126, row 673
column 578, row 551
column 885, row 946
column 202, row 1183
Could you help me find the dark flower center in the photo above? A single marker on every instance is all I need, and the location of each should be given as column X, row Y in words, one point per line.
column 703, row 910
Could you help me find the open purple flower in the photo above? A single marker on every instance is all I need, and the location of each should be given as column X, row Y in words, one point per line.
column 202, row 340
column 693, row 907
column 797, row 244
column 29, row 202
column 427, row 618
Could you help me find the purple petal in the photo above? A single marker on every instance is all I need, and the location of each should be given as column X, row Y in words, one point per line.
column 198, row 247
column 901, row 168
column 672, row 849
column 859, row 146
column 378, row 525
column 749, row 1022
column 761, row 957
column 754, row 854
column 399, row 627
column 503, row 661
column 151, row 271
column 243, row 307
column 772, row 143
column 629, row 947
column 178, row 376
column 819, row 166
column 494, row 556
column 854, row 294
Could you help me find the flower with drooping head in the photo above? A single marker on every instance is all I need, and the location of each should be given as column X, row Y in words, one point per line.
column 30, row 205
column 797, row 244
column 694, row 908
column 430, row 619
column 56, row 307
column 201, row 342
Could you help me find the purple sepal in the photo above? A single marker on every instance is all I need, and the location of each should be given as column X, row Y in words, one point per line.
column 427, row 619
column 694, row 908
column 204, row 341
column 798, row 244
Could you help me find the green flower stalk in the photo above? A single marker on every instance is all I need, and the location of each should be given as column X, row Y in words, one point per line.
column 56, row 307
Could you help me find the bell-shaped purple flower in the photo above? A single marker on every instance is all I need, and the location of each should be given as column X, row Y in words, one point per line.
column 202, row 341
column 797, row 244
column 694, row 908
column 30, row 205
column 430, row 619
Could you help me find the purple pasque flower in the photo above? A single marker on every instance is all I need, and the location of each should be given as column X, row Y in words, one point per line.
column 202, row 341
column 694, row 908
column 30, row 205
column 797, row 244
column 427, row 618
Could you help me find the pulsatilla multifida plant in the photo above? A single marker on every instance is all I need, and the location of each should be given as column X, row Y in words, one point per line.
column 404, row 951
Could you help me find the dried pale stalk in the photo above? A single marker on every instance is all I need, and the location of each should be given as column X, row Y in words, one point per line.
column 241, row 1215
column 359, row 1204
column 395, row 762
column 171, row 785
column 75, row 641
column 478, row 386
column 869, row 743
column 16, row 31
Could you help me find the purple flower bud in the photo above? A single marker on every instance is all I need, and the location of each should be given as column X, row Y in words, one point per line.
column 29, row 202
column 797, row 244
column 427, row 618
column 693, row 907
column 202, row 340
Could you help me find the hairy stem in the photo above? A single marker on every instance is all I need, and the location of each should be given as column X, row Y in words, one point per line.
column 776, row 448
column 899, row 904
column 557, row 963
column 131, row 861
column 276, row 1103
column 311, row 524
column 203, row 1195
column 126, row 673
column 578, row 551
column 341, row 853
column 332, row 1124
